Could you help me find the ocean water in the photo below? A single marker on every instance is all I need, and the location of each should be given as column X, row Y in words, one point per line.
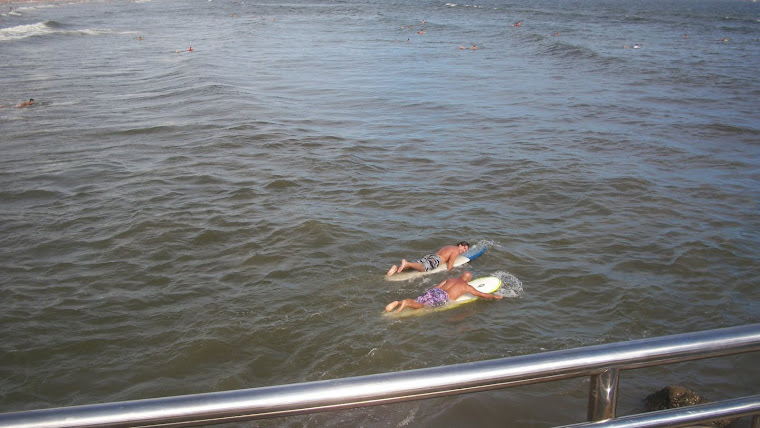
column 178, row 222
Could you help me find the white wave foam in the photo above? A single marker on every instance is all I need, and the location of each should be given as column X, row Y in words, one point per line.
column 45, row 28
column 466, row 5
column 20, row 10
column 90, row 32
column 511, row 287
column 65, row 103
column 489, row 243
column 23, row 31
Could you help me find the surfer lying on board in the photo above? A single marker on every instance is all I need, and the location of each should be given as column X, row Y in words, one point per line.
column 450, row 289
column 445, row 255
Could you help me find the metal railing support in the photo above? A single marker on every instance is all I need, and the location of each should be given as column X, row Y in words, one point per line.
column 602, row 361
column 602, row 395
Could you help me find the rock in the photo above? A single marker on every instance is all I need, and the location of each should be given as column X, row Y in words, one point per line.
column 673, row 396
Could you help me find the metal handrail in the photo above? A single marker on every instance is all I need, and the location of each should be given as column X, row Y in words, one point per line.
column 683, row 416
column 602, row 362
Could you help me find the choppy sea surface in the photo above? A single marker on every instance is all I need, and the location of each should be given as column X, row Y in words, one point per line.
column 177, row 222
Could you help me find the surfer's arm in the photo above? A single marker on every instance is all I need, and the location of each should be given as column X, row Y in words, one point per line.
column 477, row 293
column 451, row 256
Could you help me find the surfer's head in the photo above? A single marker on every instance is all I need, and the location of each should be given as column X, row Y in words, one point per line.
column 467, row 276
column 465, row 245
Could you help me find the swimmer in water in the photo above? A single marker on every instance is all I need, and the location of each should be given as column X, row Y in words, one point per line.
column 26, row 103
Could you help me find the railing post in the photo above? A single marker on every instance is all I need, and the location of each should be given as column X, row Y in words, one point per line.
column 602, row 395
column 756, row 421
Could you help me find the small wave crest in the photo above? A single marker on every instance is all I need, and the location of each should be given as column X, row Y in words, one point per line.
column 551, row 46
column 19, row 11
column 567, row 50
column 28, row 30
column 46, row 28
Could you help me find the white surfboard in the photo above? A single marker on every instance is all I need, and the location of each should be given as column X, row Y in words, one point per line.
column 472, row 253
column 486, row 284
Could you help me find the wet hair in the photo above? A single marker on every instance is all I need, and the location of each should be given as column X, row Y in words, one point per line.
column 465, row 243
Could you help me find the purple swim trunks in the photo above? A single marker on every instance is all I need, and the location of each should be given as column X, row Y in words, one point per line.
column 434, row 297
